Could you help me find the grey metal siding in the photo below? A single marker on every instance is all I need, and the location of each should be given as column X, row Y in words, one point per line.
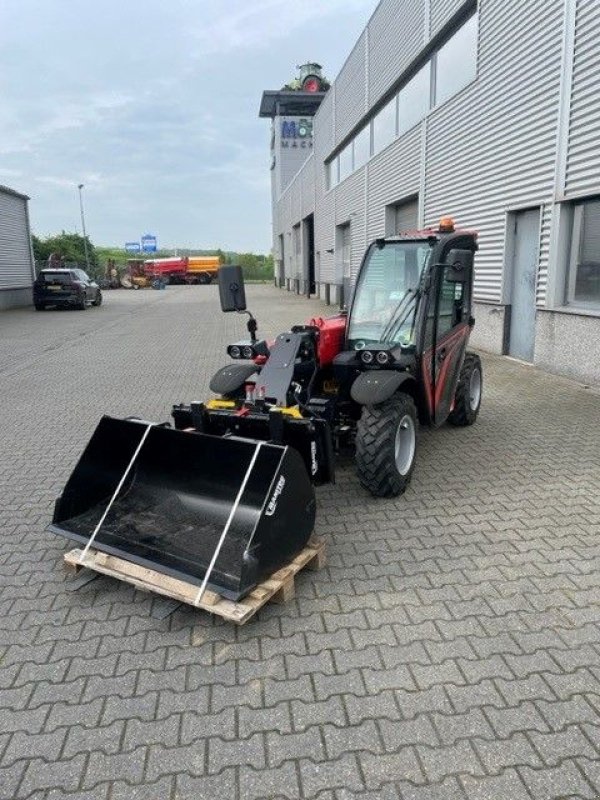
column 325, row 236
column 440, row 12
column 350, row 207
column 583, row 159
column 16, row 269
column 396, row 35
column 393, row 176
column 307, row 186
column 493, row 146
column 323, row 126
column 324, row 218
column 350, row 90
column 542, row 279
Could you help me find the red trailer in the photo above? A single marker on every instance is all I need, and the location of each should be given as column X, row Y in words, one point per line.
column 173, row 270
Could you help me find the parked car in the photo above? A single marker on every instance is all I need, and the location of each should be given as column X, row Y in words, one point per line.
column 64, row 288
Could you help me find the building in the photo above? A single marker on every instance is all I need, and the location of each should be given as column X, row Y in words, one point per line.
column 17, row 270
column 486, row 111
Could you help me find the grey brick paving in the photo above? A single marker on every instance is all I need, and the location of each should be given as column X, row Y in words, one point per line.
column 449, row 651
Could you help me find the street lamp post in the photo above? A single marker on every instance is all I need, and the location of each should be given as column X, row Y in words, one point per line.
column 87, row 258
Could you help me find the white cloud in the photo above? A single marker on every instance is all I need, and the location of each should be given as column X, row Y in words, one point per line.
column 90, row 179
column 252, row 25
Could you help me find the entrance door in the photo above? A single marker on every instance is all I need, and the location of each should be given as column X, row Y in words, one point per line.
column 309, row 255
column 343, row 246
column 281, row 262
column 524, row 275
column 451, row 334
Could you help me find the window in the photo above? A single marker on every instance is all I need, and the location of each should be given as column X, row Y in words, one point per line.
column 456, row 61
column 450, row 69
column 331, row 173
column 362, row 146
column 451, row 303
column 55, row 277
column 384, row 126
column 584, row 273
column 385, row 303
column 346, row 159
column 413, row 100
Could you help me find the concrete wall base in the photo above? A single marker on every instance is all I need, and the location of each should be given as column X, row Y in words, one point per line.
column 488, row 333
column 15, row 298
column 568, row 344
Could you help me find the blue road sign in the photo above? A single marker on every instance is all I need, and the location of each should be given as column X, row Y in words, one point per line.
column 148, row 243
column 132, row 247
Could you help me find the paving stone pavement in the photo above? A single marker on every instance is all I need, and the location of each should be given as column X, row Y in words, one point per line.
column 450, row 649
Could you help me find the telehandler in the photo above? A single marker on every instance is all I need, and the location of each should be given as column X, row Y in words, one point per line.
column 225, row 495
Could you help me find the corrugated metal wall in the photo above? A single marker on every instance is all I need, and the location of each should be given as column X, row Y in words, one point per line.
column 583, row 163
column 490, row 149
column 325, row 218
column 542, row 281
column 440, row 12
column 350, row 90
column 396, row 33
column 393, row 176
column 493, row 146
column 350, row 207
column 307, row 186
column 15, row 247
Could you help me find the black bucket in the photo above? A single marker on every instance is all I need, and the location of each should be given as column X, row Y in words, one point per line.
column 182, row 492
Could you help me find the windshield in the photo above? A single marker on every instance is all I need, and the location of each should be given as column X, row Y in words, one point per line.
column 386, row 293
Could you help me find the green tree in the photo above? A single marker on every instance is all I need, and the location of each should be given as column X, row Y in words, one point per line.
column 69, row 246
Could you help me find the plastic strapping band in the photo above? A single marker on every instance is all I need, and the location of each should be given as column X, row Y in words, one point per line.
column 85, row 550
column 234, row 508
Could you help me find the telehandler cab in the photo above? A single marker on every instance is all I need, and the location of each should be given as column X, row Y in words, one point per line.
column 227, row 497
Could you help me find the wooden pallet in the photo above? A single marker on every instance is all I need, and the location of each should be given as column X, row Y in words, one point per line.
column 279, row 588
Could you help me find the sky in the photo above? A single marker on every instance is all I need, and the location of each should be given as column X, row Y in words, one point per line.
column 153, row 106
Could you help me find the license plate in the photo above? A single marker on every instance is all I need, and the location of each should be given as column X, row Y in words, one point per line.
column 55, row 288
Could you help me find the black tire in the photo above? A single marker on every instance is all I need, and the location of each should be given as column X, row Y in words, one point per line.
column 467, row 398
column 98, row 300
column 376, row 452
column 39, row 307
column 82, row 304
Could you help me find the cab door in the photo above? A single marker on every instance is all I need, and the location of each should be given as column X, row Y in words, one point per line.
column 451, row 329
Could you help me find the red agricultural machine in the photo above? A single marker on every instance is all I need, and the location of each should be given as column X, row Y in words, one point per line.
column 226, row 496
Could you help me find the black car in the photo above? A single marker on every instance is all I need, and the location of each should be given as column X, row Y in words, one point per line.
column 65, row 288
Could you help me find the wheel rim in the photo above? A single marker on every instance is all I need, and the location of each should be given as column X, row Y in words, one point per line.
column 405, row 444
column 475, row 389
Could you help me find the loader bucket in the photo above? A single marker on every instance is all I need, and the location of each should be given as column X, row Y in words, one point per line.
column 188, row 500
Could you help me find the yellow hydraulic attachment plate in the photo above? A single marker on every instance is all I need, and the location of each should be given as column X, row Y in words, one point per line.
column 220, row 404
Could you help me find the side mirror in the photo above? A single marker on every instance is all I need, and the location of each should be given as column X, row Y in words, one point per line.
column 231, row 288
column 461, row 262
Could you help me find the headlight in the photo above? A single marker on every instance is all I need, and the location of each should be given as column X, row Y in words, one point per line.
column 234, row 351
column 383, row 357
column 366, row 357
column 248, row 352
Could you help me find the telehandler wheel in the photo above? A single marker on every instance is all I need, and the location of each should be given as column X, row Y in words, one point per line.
column 467, row 399
column 386, row 445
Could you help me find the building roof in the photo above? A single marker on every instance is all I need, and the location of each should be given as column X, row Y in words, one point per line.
column 276, row 102
column 8, row 190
